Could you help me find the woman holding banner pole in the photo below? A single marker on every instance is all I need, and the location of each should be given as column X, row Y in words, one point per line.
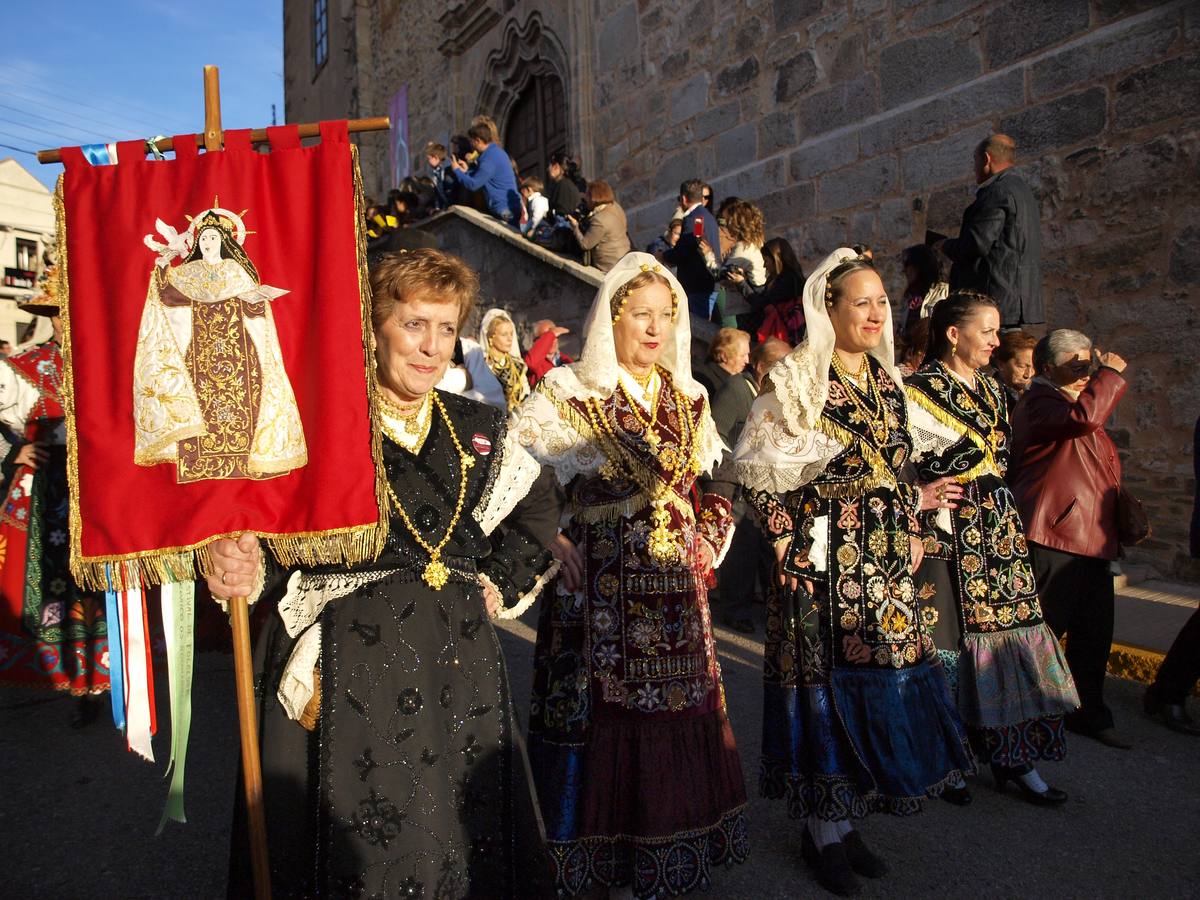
column 390, row 761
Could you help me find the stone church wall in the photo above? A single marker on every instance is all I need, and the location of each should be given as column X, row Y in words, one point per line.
column 854, row 120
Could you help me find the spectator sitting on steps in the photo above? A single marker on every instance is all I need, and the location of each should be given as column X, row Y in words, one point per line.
column 998, row 251
column 535, row 203
column 493, row 174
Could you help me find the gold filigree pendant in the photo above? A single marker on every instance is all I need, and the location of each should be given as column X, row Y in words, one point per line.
column 661, row 545
column 436, row 574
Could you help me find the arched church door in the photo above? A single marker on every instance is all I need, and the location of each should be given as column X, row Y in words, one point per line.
column 537, row 125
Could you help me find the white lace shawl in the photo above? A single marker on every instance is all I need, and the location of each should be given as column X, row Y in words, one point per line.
column 801, row 378
column 556, row 441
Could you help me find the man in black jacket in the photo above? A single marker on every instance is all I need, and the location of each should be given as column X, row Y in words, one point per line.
column 998, row 251
column 686, row 256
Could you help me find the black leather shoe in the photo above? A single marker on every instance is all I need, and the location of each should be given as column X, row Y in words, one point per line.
column 745, row 626
column 1051, row 796
column 959, row 796
column 831, row 866
column 861, row 858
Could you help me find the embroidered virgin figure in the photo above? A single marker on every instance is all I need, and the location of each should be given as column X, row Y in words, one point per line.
column 210, row 392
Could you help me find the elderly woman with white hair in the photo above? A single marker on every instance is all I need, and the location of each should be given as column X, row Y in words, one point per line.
column 857, row 715
column 1066, row 475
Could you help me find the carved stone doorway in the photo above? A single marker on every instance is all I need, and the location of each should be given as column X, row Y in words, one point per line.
column 537, row 124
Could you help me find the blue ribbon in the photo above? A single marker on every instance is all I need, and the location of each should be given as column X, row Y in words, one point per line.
column 116, row 664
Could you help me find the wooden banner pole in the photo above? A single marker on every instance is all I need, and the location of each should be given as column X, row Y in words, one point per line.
column 239, row 618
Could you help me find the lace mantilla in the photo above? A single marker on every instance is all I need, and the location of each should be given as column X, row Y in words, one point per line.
column 772, row 457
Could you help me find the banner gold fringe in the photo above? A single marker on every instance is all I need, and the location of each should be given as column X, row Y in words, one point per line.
column 348, row 546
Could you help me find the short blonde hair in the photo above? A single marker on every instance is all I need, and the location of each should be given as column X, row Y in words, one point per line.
column 428, row 274
column 725, row 339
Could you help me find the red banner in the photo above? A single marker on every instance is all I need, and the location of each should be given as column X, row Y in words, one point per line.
column 217, row 355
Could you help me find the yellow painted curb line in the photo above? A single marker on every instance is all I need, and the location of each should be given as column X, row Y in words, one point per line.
column 1137, row 664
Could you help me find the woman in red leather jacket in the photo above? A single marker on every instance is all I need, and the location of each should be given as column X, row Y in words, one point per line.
column 1065, row 474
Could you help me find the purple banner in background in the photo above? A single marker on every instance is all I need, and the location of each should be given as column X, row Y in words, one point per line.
column 398, row 111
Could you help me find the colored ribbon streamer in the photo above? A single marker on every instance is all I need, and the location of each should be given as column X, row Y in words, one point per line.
column 137, row 710
column 100, row 154
column 178, row 612
column 116, row 666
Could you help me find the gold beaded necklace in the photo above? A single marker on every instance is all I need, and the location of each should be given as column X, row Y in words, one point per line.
column 436, row 574
column 643, row 381
column 415, row 420
column 875, row 419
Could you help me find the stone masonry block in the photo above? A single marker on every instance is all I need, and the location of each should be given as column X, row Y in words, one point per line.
column 618, row 41
column 842, row 104
column 789, row 13
column 715, row 120
column 1128, row 47
column 945, row 208
column 737, row 148
column 782, row 48
column 1018, row 28
column 866, row 181
column 795, row 77
column 896, row 220
column 941, row 162
column 754, row 182
column 737, row 77
column 819, row 157
column 776, row 132
column 690, row 99
column 676, row 169
column 924, row 65
column 788, row 206
column 984, row 99
column 940, row 11
column 1184, row 267
column 1058, row 123
column 1163, row 91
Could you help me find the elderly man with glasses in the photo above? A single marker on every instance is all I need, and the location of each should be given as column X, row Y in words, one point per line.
column 1065, row 474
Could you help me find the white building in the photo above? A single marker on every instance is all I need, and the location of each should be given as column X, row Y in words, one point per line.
column 26, row 226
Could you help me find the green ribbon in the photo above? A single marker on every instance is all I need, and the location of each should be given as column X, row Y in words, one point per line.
column 178, row 612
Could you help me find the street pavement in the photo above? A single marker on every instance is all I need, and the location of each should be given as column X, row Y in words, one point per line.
column 79, row 812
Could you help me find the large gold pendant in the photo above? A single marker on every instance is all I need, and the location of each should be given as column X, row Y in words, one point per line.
column 661, row 545
column 436, row 574
column 652, row 439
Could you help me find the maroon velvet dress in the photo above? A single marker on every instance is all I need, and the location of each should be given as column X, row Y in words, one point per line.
column 638, row 776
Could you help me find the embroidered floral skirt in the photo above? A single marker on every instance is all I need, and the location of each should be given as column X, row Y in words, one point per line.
column 413, row 783
column 1012, row 685
column 52, row 633
column 637, row 770
column 842, row 742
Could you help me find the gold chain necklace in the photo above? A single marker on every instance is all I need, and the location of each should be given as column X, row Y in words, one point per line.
column 876, row 419
column 436, row 574
column 416, row 420
column 648, row 433
column 987, row 410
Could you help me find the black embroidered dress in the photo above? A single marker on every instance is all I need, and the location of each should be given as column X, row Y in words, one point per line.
column 1013, row 684
column 413, row 782
column 857, row 716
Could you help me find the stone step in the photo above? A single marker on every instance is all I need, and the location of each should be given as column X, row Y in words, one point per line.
column 1149, row 614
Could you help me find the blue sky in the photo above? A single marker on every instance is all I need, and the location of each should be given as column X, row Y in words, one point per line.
column 84, row 72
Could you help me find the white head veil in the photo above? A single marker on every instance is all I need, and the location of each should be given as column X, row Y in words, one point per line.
column 595, row 375
column 488, row 318
column 802, row 377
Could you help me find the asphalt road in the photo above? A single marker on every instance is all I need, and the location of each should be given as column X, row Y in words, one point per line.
column 78, row 812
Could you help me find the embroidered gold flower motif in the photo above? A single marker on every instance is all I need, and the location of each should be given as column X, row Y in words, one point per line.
column 981, row 612
column 877, row 542
column 849, row 621
column 977, row 587
column 971, row 563
column 847, row 556
column 1005, row 615
column 607, row 585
